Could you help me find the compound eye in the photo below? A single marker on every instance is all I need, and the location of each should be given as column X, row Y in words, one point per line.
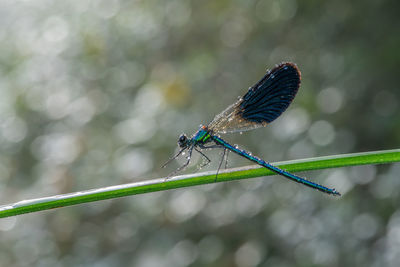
column 182, row 142
column 182, row 138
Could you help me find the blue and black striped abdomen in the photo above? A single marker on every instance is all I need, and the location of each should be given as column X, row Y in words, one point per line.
column 271, row 96
column 275, row 169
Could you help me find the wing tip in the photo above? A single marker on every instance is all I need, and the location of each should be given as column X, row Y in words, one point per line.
column 282, row 65
column 289, row 65
column 279, row 84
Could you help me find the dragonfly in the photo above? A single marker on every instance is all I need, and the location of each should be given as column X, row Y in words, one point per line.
column 262, row 104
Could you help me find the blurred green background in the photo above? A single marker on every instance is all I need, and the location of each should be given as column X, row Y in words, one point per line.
column 95, row 93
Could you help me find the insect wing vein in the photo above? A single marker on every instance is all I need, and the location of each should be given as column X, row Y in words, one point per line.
column 263, row 103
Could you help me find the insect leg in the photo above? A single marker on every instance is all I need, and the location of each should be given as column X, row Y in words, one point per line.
column 220, row 163
column 174, row 157
column 226, row 158
column 184, row 165
column 204, row 156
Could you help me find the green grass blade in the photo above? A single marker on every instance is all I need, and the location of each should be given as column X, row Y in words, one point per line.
column 33, row 205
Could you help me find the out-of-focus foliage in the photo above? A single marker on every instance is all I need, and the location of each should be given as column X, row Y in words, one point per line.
column 95, row 93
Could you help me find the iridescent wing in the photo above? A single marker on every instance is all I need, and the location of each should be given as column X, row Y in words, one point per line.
column 263, row 103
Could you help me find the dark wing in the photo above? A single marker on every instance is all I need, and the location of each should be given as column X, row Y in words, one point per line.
column 263, row 103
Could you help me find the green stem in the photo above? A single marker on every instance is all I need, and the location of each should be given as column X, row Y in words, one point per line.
column 26, row 206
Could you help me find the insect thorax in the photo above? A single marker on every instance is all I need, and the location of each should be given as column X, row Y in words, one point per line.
column 202, row 136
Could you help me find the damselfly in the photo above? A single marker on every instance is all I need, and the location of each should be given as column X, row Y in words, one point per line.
column 263, row 103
